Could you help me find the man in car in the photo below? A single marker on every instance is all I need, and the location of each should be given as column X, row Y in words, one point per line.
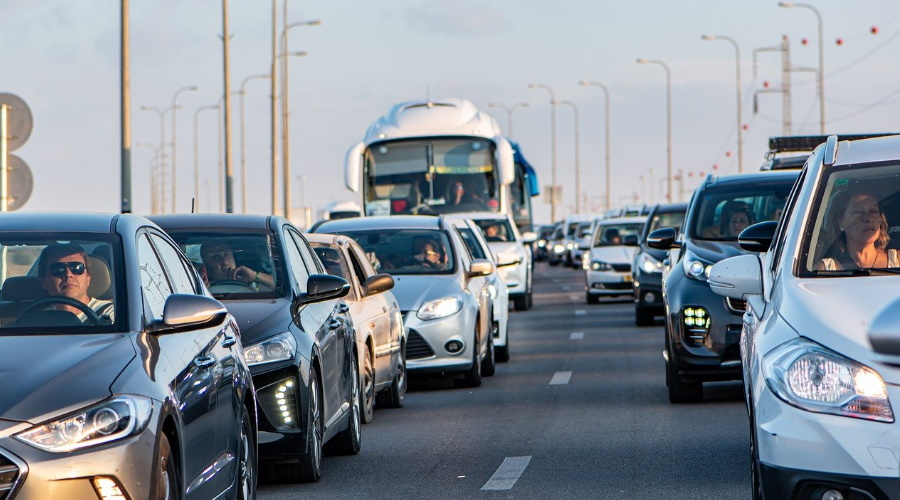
column 64, row 271
column 218, row 259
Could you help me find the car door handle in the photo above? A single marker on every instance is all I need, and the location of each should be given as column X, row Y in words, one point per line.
column 343, row 308
column 334, row 324
column 204, row 361
column 229, row 341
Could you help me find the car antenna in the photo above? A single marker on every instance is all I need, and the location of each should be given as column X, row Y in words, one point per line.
column 193, row 205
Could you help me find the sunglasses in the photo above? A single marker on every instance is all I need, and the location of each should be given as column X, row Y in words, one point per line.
column 59, row 268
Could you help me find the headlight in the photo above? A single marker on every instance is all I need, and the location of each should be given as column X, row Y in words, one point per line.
column 809, row 376
column 600, row 266
column 558, row 248
column 440, row 308
column 570, row 245
column 648, row 264
column 694, row 267
column 278, row 348
column 542, row 243
column 113, row 419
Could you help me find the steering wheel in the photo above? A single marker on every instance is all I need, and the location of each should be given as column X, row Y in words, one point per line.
column 225, row 286
column 92, row 317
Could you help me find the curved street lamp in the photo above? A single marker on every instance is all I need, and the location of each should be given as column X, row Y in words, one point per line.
column 605, row 90
column 818, row 14
column 668, row 123
column 577, row 155
column 509, row 113
column 740, row 122
column 162, row 147
column 553, row 200
column 242, row 92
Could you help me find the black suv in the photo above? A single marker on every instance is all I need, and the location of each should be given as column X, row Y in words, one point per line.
column 702, row 328
column 648, row 264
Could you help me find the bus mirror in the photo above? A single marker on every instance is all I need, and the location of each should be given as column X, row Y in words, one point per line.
column 353, row 167
column 505, row 161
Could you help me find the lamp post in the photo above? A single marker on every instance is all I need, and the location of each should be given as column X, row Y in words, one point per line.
column 606, row 126
column 668, row 123
column 197, row 154
column 740, row 123
column 509, row 113
column 153, row 167
column 285, row 135
column 244, row 140
column 162, row 148
column 577, row 154
column 818, row 14
column 553, row 200
column 174, row 157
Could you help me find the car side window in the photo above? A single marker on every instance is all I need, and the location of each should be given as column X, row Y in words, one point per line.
column 472, row 248
column 312, row 262
column 298, row 267
column 182, row 279
column 154, row 283
column 357, row 268
column 789, row 207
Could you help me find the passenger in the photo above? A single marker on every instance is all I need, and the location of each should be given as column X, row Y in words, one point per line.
column 64, row 271
column 739, row 220
column 492, row 233
column 613, row 237
column 861, row 234
column 431, row 255
column 735, row 217
column 218, row 259
column 458, row 196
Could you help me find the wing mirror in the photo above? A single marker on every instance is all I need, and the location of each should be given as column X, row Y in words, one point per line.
column 480, row 267
column 758, row 237
column 663, row 239
column 377, row 283
column 320, row 287
column 737, row 277
column 184, row 310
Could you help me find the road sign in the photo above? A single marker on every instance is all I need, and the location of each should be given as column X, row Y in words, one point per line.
column 20, row 182
column 20, row 121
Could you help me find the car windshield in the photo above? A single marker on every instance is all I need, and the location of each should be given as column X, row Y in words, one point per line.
column 496, row 230
column 72, row 283
column 407, row 251
column 722, row 212
column 670, row 219
column 855, row 224
column 609, row 235
column 225, row 258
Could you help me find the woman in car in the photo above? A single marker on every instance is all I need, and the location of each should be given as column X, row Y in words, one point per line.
column 735, row 218
column 860, row 231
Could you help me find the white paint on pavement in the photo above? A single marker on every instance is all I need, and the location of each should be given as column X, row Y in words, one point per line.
column 580, row 312
column 576, row 336
column 507, row 474
column 560, row 378
column 576, row 298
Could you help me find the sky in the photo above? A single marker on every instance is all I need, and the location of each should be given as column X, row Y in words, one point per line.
column 61, row 57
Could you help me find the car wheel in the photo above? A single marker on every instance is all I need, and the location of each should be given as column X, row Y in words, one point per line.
column 520, row 303
column 248, row 465
column 679, row 391
column 166, row 470
column 348, row 442
column 757, row 492
column 529, row 298
column 489, row 363
column 642, row 317
column 392, row 397
column 367, row 389
column 309, row 468
column 472, row 378
column 591, row 298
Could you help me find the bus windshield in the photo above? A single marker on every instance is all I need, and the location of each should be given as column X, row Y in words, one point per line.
column 431, row 176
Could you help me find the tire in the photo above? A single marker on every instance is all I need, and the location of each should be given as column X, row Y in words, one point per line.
column 248, row 464
column 392, row 397
column 530, row 298
column 591, row 298
column 472, row 378
column 489, row 363
column 682, row 392
column 520, row 303
column 367, row 387
column 757, row 493
column 348, row 442
column 309, row 468
column 642, row 317
column 166, row 470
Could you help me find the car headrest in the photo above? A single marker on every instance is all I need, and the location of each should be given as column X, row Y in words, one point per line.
column 19, row 288
column 100, row 279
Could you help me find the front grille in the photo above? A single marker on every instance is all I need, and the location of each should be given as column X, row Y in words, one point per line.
column 622, row 268
column 9, row 475
column 736, row 305
column 416, row 347
column 621, row 285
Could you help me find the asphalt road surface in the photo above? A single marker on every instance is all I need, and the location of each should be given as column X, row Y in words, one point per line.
column 579, row 411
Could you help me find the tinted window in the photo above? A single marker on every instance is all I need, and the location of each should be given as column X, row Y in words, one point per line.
column 614, row 234
column 671, row 219
column 472, row 245
column 182, row 279
column 722, row 212
column 153, row 278
column 297, row 267
column 403, row 251
column 495, row 229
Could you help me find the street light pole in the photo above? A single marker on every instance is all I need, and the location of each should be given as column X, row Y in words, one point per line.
column 553, row 200
column 162, row 148
column 244, row 140
column 740, row 122
column 274, row 108
column 668, row 123
column 577, row 155
column 174, row 177
column 285, row 125
column 821, row 59
column 509, row 113
column 197, row 155
column 153, row 184
column 606, row 126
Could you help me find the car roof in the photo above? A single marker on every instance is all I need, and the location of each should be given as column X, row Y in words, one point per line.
column 329, row 239
column 623, row 220
column 868, row 150
column 379, row 222
column 63, row 221
column 664, row 208
column 481, row 215
column 774, row 176
column 218, row 221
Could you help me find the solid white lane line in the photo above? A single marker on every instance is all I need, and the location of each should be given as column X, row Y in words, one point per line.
column 580, row 312
column 560, row 378
column 566, row 287
column 507, row 474
column 576, row 336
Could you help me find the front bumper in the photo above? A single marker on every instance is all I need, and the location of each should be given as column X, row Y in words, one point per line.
column 608, row 283
column 648, row 292
column 281, row 439
column 426, row 343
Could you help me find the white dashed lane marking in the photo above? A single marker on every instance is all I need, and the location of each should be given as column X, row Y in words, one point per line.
column 507, row 474
column 560, row 378
column 576, row 336
column 580, row 312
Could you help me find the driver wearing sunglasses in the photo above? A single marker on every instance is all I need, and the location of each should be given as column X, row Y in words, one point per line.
column 64, row 272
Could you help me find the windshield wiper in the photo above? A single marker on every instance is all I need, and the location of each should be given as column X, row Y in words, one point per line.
column 843, row 272
column 888, row 270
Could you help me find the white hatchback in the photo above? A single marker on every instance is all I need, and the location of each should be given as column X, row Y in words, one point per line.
column 607, row 265
column 820, row 342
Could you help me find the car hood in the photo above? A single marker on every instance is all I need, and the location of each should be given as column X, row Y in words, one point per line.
column 506, row 250
column 714, row 251
column 45, row 376
column 260, row 319
column 838, row 312
column 413, row 291
column 613, row 255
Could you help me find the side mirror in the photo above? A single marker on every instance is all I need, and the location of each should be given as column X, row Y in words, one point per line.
column 630, row 240
column 529, row 237
column 353, row 167
column 663, row 239
column 377, row 283
column 505, row 160
column 321, row 287
column 183, row 310
column 758, row 237
column 737, row 277
column 480, row 267
column 585, row 243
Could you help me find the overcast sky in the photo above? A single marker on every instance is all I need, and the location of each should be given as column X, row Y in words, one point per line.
column 62, row 58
